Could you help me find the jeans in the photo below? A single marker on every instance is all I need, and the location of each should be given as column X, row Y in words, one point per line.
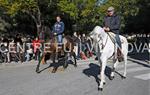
column 37, row 54
column 59, row 38
column 27, row 57
column 118, row 40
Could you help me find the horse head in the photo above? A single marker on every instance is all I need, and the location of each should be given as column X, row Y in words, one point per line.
column 97, row 34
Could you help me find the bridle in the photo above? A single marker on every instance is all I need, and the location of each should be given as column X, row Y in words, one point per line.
column 103, row 45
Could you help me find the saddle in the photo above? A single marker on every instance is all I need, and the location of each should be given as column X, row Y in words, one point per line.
column 118, row 53
column 112, row 36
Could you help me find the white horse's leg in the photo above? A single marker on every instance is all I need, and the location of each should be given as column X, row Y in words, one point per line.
column 100, row 62
column 115, row 63
column 113, row 70
column 125, row 66
column 125, row 53
column 102, row 75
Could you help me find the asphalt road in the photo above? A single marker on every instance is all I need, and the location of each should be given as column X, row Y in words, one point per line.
column 21, row 79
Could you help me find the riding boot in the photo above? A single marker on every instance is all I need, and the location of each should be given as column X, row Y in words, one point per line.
column 60, row 45
column 119, row 55
column 96, row 58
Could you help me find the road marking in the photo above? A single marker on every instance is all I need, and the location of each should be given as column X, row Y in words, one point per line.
column 131, row 70
column 119, row 66
column 135, row 60
column 128, row 65
column 86, row 62
column 143, row 76
column 16, row 65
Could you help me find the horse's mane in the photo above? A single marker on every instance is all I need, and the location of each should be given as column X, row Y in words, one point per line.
column 99, row 29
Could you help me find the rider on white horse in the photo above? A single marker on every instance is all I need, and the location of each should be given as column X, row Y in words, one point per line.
column 112, row 24
column 105, row 47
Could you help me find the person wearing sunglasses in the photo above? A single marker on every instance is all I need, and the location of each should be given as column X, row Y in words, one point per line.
column 112, row 24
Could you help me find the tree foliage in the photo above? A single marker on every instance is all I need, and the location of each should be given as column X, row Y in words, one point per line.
column 3, row 25
column 84, row 13
column 14, row 6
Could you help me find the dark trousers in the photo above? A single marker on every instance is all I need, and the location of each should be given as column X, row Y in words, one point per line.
column 37, row 54
column 118, row 41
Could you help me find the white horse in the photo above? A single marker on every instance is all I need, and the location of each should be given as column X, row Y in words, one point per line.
column 106, row 49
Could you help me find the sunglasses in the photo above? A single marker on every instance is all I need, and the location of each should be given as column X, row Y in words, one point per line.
column 109, row 11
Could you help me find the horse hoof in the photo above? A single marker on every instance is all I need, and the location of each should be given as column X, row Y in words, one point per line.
column 112, row 77
column 104, row 83
column 100, row 89
column 75, row 66
column 123, row 77
column 65, row 68
column 54, row 71
column 37, row 72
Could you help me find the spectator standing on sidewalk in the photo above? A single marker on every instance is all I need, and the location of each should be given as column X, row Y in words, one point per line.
column 36, row 48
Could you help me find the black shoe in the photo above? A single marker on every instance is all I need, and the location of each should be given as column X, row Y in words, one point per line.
column 119, row 55
column 96, row 58
column 120, row 58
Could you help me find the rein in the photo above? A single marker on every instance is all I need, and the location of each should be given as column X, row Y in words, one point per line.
column 103, row 45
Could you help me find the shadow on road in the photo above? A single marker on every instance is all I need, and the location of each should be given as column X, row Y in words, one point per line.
column 94, row 71
column 55, row 65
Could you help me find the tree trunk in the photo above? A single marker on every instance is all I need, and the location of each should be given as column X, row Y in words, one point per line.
column 37, row 20
column 39, row 23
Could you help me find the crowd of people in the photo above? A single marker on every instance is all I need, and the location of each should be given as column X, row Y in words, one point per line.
column 82, row 48
column 17, row 49
column 25, row 49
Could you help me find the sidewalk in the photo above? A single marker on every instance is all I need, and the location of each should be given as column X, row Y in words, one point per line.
column 79, row 62
column 33, row 62
column 19, row 64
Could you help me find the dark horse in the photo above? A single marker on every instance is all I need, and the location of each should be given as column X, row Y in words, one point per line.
column 65, row 51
